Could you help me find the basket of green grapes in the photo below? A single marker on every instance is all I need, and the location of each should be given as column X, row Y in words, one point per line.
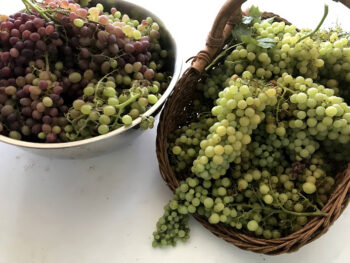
column 254, row 141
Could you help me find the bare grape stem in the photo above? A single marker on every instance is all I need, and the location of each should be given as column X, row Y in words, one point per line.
column 325, row 14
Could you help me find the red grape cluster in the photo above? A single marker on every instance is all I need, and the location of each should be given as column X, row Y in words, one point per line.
column 34, row 108
column 25, row 38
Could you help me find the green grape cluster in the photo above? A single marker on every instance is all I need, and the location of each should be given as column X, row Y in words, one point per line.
column 314, row 57
column 302, row 145
column 256, row 201
column 324, row 55
column 104, row 107
column 173, row 225
column 266, row 150
column 317, row 109
column 215, row 82
column 288, row 52
column 335, row 52
column 336, row 151
column 184, row 143
column 239, row 112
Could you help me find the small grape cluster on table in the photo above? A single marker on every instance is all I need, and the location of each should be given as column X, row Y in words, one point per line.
column 70, row 72
column 268, row 132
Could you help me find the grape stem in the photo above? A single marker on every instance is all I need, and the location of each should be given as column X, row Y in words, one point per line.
column 47, row 61
column 325, row 14
column 222, row 54
column 27, row 7
column 316, row 213
column 83, row 126
column 204, row 115
column 99, row 83
column 132, row 98
column 64, row 31
column 120, row 107
column 308, row 201
column 283, row 210
column 279, row 103
column 266, row 217
column 258, row 197
column 36, row 8
column 74, row 123
column 107, row 57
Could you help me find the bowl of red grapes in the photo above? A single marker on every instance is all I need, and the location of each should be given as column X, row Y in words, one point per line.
column 74, row 73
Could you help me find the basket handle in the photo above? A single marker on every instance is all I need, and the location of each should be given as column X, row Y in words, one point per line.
column 228, row 15
column 344, row 2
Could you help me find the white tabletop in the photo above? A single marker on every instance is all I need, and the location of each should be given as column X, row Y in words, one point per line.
column 104, row 209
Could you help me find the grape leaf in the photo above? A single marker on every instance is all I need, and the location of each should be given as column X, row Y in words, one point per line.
column 241, row 30
column 249, row 40
column 266, row 42
column 247, row 20
column 263, row 42
column 268, row 20
column 254, row 12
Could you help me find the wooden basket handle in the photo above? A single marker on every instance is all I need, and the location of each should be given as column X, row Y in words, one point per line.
column 215, row 41
column 229, row 15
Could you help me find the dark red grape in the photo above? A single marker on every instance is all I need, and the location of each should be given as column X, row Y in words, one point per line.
column 51, row 138
column 129, row 48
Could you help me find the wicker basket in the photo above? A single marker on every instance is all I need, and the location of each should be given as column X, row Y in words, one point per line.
column 177, row 111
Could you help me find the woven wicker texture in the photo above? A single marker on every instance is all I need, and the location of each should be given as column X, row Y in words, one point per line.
column 177, row 111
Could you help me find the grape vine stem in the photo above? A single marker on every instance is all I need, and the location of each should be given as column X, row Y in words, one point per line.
column 325, row 14
column 36, row 8
column 47, row 61
column 316, row 213
column 99, row 83
column 222, row 54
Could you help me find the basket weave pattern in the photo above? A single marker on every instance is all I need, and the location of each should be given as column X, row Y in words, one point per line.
column 177, row 111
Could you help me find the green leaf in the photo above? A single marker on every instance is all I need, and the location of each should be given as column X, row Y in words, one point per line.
column 254, row 12
column 241, row 30
column 247, row 20
column 268, row 20
column 266, row 42
column 249, row 40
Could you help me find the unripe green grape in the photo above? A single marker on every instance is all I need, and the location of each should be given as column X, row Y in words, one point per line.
column 104, row 119
column 47, row 101
column 268, row 199
column 331, row 111
column 252, row 226
column 103, row 129
column 152, row 99
column 126, row 119
column 309, row 188
column 86, row 109
column 75, row 77
column 78, row 22
column 214, row 219
column 89, row 90
column 109, row 110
